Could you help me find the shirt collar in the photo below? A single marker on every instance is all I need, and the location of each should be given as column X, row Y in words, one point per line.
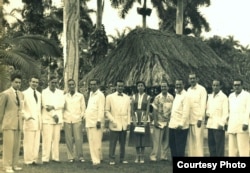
column 161, row 95
column 119, row 94
column 194, row 87
column 94, row 93
column 180, row 93
column 219, row 93
column 13, row 89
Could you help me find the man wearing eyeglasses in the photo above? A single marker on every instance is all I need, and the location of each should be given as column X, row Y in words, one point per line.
column 238, row 135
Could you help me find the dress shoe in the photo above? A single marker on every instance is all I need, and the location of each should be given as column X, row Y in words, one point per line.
column 81, row 160
column 164, row 159
column 9, row 170
column 124, row 161
column 137, row 159
column 17, row 168
column 71, row 160
column 142, row 160
column 111, row 163
column 153, row 159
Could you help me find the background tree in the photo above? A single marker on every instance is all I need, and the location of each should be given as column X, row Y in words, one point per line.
column 24, row 53
column 71, row 47
column 115, row 40
column 29, row 30
column 125, row 6
column 194, row 22
column 98, row 39
column 86, row 28
column 234, row 54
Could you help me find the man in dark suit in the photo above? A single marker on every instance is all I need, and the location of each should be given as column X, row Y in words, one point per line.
column 11, row 103
column 117, row 110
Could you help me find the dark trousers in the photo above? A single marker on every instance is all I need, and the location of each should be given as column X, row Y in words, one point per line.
column 113, row 138
column 216, row 142
column 177, row 141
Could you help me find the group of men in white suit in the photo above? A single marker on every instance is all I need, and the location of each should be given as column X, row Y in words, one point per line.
column 43, row 114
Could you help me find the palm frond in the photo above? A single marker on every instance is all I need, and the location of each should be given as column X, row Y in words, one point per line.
column 36, row 45
column 4, row 78
column 126, row 7
column 20, row 60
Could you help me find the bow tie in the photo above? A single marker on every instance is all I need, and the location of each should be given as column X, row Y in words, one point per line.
column 120, row 94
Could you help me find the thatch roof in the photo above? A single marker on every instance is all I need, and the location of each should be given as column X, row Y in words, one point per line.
column 151, row 55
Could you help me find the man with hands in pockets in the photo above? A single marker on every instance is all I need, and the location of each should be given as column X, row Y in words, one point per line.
column 32, row 122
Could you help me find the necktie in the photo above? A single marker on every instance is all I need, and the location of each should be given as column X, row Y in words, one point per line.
column 35, row 95
column 17, row 99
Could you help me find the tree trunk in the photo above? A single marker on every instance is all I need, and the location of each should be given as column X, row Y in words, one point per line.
column 99, row 14
column 1, row 18
column 179, row 17
column 71, row 35
column 144, row 15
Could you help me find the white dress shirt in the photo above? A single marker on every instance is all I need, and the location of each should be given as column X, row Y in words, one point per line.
column 196, row 103
column 55, row 99
column 177, row 117
column 217, row 110
column 74, row 107
column 238, row 111
column 95, row 108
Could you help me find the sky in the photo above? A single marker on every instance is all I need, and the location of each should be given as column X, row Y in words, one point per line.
column 226, row 18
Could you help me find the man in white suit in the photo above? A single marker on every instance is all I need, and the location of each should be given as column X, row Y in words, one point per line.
column 117, row 110
column 238, row 136
column 94, row 117
column 52, row 109
column 195, row 109
column 32, row 122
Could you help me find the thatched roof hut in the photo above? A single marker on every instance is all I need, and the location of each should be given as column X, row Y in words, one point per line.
column 151, row 55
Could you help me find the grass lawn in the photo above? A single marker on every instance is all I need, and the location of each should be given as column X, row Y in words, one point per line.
column 86, row 167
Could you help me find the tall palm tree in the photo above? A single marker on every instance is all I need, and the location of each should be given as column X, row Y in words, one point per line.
column 98, row 39
column 71, row 49
column 194, row 21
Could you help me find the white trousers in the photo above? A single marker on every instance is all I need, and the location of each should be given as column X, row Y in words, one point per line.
column 160, row 143
column 95, row 144
column 195, row 141
column 238, row 145
column 51, row 139
column 31, row 144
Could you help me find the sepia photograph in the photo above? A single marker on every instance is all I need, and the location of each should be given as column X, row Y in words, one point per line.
column 124, row 86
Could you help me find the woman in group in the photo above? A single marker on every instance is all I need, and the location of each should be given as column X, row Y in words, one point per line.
column 140, row 116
